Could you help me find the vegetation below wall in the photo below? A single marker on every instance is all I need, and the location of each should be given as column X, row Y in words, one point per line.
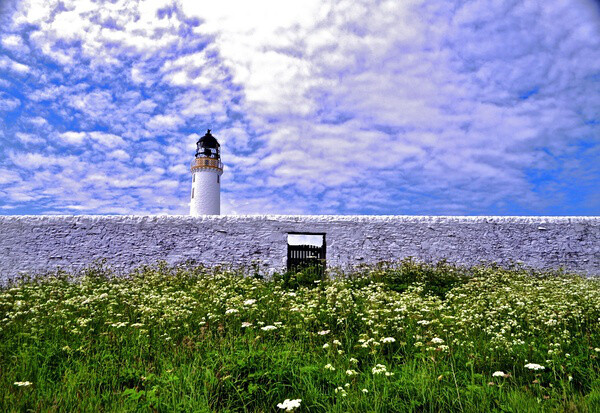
column 399, row 337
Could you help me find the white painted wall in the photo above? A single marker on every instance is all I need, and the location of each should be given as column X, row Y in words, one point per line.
column 206, row 189
column 41, row 243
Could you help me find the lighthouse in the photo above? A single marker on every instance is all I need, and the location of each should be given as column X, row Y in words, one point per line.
column 206, row 177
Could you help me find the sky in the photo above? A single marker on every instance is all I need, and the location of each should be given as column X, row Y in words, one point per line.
column 321, row 107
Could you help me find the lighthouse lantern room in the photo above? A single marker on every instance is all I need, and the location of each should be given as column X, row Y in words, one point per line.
column 206, row 177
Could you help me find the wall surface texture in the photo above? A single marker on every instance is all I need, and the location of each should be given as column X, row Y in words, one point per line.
column 39, row 243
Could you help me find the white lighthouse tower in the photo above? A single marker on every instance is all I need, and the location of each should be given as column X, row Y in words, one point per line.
column 206, row 177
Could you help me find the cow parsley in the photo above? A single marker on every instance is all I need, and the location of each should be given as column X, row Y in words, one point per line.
column 533, row 366
column 289, row 405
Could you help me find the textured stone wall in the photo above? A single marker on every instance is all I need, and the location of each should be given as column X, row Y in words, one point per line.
column 38, row 243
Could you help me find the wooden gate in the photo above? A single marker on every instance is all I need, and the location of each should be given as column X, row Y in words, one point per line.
column 307, row 256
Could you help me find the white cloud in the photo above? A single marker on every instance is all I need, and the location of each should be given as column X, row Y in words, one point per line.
column 107, row 139
column 179, row 169
column 73, row 138
column 29, row 138
column 14, row 43
column 119, row 154
column 8, row 176
column 8, row 103
column 165, row 122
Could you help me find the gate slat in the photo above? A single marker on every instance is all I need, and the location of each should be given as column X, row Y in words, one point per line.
column 302, row 256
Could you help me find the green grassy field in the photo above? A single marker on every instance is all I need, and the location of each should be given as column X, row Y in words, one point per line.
column 392, row 337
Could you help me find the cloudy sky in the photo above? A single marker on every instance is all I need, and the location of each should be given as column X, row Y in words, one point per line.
column 321, row 107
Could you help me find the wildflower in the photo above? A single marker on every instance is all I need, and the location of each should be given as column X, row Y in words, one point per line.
column 353, row 360
column 423, row 322
column 249, row 302
column 103, row 296
column 389, row 340
column 326, row 345
column 231, row 311
column 246, row 324
column 289, row 405
column 533, row 366
column 378, row 369
column 437, row 340
column 329, row 367
column 23, row 383
column 268, row 328
column 351, row 372
column 342, row 391
column 337, row 342
column 365, row 390
column 498, row 374
column 323, row 333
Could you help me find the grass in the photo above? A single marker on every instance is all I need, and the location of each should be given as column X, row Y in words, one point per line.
column 393, row 337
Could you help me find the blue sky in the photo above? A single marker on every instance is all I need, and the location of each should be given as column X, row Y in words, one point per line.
column 321, row 107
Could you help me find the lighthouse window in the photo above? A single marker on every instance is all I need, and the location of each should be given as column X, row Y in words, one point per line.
column 194, row 178
column 218, row 180
column 192, row 192
column 206, row 162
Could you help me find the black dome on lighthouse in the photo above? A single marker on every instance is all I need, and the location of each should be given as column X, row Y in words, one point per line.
column 207, row 146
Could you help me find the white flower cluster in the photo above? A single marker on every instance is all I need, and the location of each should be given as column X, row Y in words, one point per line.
column 23, row 383
column 289, row 405
column 533, row 366
column 381, row 369
column 342, row 391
